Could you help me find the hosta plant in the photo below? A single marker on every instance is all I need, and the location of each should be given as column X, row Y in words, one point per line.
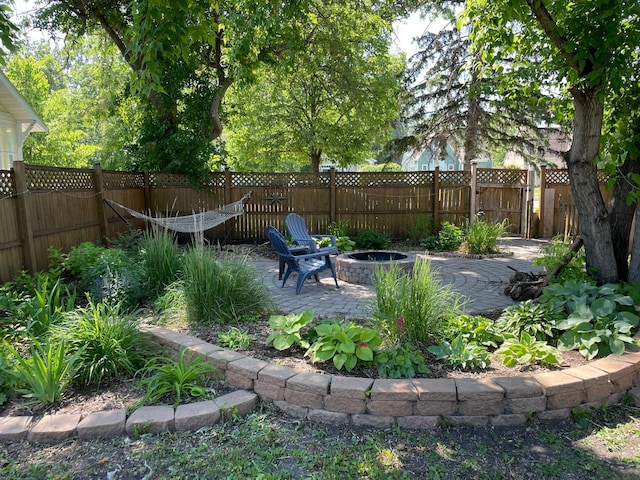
column 288, row 330
column 601, row 320
column 346, row 343
column 235, row 338
column 462, row 355
column 537, row 319
column 526, row 350
column 474, row 329
column 400, row 361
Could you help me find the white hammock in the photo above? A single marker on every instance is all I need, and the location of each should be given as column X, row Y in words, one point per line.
column 196, row 222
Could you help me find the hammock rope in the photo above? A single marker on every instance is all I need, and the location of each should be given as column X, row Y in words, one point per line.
column 194, row 223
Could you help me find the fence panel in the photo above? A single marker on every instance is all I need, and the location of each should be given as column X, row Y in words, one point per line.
column 63, row 207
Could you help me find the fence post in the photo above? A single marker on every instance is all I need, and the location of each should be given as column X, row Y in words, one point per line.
column 541, row 204
column 98, row 184
column 147, row 190
column 24, row 220
column 436, row 199
column 227, row 186
column 474, row 191
column 332, row 195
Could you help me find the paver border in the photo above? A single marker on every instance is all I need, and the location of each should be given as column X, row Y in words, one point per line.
column 407, row 403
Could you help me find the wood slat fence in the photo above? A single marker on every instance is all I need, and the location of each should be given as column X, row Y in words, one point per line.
column 43, row 207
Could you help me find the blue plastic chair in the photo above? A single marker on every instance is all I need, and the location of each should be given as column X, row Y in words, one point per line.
column 297, row 228
column 304, row 265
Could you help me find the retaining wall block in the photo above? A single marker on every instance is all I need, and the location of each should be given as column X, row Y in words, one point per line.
column 350, row 387
column 304, row 399
column 596, row 382
column 222, row 358
column 382, row 421
column 317, row 383
column 419, row 422
column 324, row 416
column 478, row 390
column 390, row 390
column 344, row 404
column 276, row 374
column 14, row 429
column 525, row 404
column 193, row 416
column 519, row 387
column 621, row 373
column 268, row 390
column 105, row 424
column 292, row 410
column 54, row 428
column 553, row 383
column 395, row 408
column 155, row 419
column 435, row 389
column 239, row 402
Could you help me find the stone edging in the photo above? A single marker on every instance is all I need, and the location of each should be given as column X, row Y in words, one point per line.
column 407, row 403
column 418, row 403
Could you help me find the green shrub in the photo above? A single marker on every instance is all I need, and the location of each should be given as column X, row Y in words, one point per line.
column 346, row 343
column 573, row 271
column 222, row 289
column 339, row 228
column 449, row 238
column 399, row 361
column 421, row 229
column 372, row 240
column 473, row 329
column 46, row 373
column 413, row 308
column 482, row 237
column 164, row 376
column 47, row 306
column 462, row 355
column 107, row 341
column 160, row 259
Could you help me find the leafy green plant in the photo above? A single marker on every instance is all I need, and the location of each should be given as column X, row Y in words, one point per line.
column 601, row 320
column 164, row 376
column 345, row 343
column 235, row 338
column 474, row 329
column 534, row 318
column 339, row 228
column 526, row 350
column 107, row 340
column 45, row 375
column 420, row 229
column 400, row 361
column 449, row 238
column 288, row 329
column 160, row 258
column 462, row 355
column 44, row 305
column 573, row 271
column 412, row 308
column 482, row 237
column 370, row 239
column 221, row 289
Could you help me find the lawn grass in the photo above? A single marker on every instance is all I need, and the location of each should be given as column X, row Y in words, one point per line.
column 269, row 445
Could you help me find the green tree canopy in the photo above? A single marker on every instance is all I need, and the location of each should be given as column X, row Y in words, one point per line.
column 333, row 101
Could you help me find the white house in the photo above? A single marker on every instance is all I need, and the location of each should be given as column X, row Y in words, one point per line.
column 17, row 121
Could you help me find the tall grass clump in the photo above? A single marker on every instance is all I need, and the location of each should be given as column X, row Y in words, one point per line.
column 160, row 258
column 107, row 341
column 221, row 288
column 482, row 237
column 413, row 307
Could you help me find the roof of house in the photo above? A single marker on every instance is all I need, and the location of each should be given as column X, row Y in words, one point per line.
column 14, row 104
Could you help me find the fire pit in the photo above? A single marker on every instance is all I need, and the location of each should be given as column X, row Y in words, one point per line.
column 358, row 267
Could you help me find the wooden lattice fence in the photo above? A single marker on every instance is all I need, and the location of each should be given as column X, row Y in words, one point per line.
column 42, row 207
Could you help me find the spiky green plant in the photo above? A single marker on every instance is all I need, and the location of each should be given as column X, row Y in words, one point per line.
column 107, row 340
column 160, row 258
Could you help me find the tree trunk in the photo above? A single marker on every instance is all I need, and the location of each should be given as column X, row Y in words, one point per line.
column 634, row 266
column 314, row 156
column 583, row 176
column 473, row 120
column 621, row 215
